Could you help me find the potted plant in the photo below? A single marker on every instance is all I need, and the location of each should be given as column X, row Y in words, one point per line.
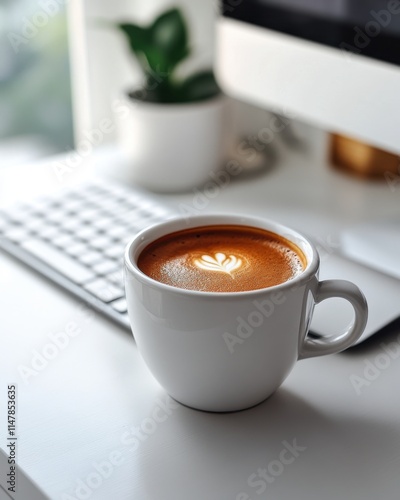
column 173, row 133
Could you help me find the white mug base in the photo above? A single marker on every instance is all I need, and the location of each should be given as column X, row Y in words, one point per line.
column 218, row 409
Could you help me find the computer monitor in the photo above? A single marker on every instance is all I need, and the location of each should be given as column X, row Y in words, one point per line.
column 332, row 63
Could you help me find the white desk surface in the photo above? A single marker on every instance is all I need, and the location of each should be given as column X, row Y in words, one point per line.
column 84, row 406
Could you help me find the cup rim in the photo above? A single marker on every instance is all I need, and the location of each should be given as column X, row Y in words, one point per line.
column 199, row 220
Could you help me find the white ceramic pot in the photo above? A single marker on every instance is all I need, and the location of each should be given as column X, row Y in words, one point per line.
column 171, row 147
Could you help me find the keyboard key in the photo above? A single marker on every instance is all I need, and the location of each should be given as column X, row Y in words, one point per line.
column 132, row 229
column 117, row 277
column 100, row 243
column 125, row 240
column 19, row 214
column 75, row 205
column 121, row 213
column 117, row 231
column 87, row 233
column 119, row 305
column 17, row 234
column 48, row 232
column 77, row 249
column 104, row 291
column 65, row 265
column 104, row 223
column 110, row 202
column 129, row 218
column 63, row 241
column 89, row 214
column 115, row 251
column 116, row 210
column 36, row 224
column 56, row 216
column 90, row 257
column 71, row 223
column 105, row 266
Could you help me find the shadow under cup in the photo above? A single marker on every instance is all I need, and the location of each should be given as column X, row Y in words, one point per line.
column 226, row 351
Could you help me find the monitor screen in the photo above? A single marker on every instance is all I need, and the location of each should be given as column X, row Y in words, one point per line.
column 369, row 28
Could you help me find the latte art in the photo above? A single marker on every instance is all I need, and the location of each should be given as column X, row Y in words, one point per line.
column 229, row 258
column 220, row 263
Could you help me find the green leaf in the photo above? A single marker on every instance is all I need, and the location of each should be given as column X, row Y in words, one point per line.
column 148, row 56
column 169, row 39
column 198, row 87
column 159, row 48
column 138, row 37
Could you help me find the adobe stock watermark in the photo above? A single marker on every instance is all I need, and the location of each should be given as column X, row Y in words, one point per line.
column 137, row 435
column 247, row 150
column 58, row 341
column 131, row 440
column 259, row 480
column 363, row 37
column 245, row 327
column 374, row 368
column 30, row 27
column 100, row 472
column 326, row 246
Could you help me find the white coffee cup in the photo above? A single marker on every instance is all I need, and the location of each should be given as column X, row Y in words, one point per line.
column 229, row 351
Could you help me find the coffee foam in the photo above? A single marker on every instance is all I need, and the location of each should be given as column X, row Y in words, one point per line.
column 219, row 263
column 222, row 259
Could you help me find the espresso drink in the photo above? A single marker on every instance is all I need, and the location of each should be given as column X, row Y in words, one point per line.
column 222, row 258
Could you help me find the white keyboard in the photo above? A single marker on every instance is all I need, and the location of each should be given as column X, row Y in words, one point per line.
column 77, row 239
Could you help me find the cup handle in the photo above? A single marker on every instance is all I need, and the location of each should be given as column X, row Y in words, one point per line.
column 337, row 288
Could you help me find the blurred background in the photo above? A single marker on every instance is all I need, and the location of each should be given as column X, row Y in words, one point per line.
column 39, row 89
column 61, row 70
column 35, row 87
